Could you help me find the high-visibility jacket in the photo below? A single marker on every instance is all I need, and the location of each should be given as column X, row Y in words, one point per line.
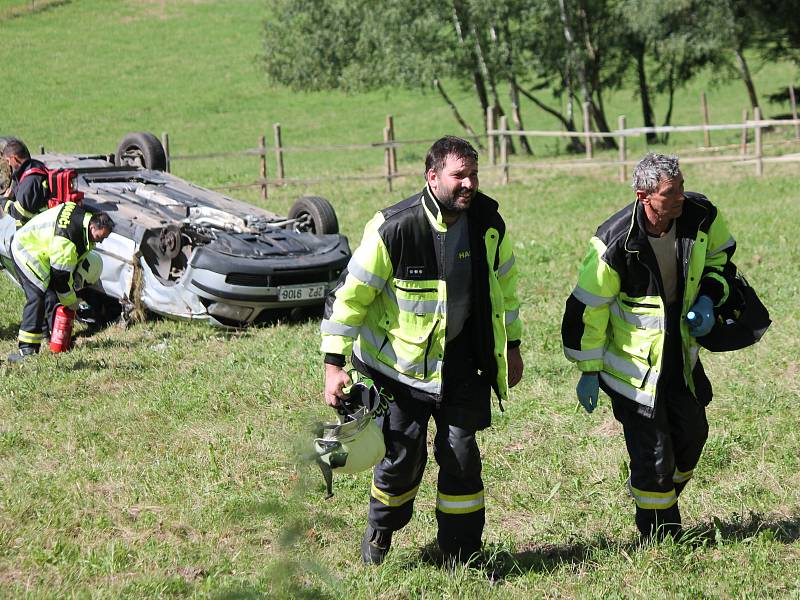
column 615, row 318
column 29, row 192
column 390, row 306
column 51, row 245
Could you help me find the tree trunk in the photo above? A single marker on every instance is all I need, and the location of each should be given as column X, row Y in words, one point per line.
column 670, row 103
column 477, row 77
column 568, row 123
column 644, row 93
column 744, row 71
column 470, row 132
column 517, row 116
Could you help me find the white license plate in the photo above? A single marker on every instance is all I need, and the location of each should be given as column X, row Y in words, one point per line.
column 300, row 292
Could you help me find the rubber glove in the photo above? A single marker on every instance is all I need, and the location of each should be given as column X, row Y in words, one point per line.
column 588, row 390
column 701, row 317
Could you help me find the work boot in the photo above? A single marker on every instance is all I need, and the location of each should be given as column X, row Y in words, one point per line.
column 375, row 545
column 657, row 525
column 23, row 353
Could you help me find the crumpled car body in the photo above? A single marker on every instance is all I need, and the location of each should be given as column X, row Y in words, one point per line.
column 186, row 252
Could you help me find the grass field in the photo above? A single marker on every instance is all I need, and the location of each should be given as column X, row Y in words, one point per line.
column 160, row 460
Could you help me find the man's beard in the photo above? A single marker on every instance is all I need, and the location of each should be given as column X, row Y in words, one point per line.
column 455, row 202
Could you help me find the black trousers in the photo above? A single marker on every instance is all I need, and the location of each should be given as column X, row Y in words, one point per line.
column 460, row 509
column 39, row 306
column 664, row 449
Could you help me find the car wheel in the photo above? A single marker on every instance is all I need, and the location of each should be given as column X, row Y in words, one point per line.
column 141, row 149
column 314, row 215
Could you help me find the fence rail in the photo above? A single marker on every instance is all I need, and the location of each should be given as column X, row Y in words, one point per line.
column 499, row 139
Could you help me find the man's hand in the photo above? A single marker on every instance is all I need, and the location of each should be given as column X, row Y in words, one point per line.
column 336, row 378
column 701, row 317
column 515, row 366
column 588, row 390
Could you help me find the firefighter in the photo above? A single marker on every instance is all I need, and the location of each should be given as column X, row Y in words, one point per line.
column 47, row 250
column 661, row 258
column 427, row 308
column 28, row 194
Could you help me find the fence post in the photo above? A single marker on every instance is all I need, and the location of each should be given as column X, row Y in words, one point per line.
column 587, row 129
column 706, row 132
column 759, row 162
column 278, row 153
column 165, row 145
column 387, row 159
column 393, row 149
column 743, row 146
column 491, row 138
column 504, row 149
column 262, row 166
column 623, row 154
column 793, row 101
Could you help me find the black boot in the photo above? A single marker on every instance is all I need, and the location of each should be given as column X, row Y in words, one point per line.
column 23, row 353
column 658, row 524
column 375, row 545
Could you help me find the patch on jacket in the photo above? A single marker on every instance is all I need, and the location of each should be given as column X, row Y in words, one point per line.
column 415, row 272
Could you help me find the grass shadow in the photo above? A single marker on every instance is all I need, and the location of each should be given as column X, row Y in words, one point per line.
column 782, row 529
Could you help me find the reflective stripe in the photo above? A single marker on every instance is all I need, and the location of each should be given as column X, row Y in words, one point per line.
column 624, row 366
column 28, row 337
column 594, row 354
column 649, row 500
column 21, row 210
column 393, row 500
column 640, row 321
column 730, row 242
column 421, row 307
column 639, row 396
column 62, row 267
column 432, row 387
column 401, row 364
column 511, row 316
column 506, row 266
column 681, row 476
column 364, row 276
column 335, row 328
column 24, row 261
column 459, row 505
column 590, row 299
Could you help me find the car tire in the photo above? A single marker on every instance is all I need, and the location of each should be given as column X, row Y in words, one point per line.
column 141, row 149
column 314, row 214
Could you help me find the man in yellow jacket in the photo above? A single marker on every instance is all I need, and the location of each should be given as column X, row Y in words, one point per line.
column 650, row 284
column 428, row 309
column 47, row 250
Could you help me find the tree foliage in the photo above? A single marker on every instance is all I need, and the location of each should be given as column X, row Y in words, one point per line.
column 577, row 50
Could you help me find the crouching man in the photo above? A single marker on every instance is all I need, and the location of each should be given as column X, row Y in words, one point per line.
column 47, row 251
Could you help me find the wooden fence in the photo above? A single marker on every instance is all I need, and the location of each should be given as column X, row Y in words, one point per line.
column 499, row 137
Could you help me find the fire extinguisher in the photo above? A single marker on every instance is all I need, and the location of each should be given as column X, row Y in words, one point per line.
column 61, row 336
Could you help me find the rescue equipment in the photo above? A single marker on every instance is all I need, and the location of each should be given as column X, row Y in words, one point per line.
column 354, row 443
column 60, row 185
column 61, row 336
column 740, row 322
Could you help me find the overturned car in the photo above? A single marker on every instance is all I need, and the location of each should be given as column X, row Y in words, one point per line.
column 183, row 251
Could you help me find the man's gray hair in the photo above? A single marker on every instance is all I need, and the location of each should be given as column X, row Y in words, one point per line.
column 652, row 169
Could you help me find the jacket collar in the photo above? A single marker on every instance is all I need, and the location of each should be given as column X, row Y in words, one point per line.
column 686, row 225
column 433, row 209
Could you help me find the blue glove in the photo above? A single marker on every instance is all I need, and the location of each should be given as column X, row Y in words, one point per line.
column 701, row 317
column 588, row 390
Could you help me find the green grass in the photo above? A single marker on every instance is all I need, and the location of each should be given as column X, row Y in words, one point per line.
column 160, row 460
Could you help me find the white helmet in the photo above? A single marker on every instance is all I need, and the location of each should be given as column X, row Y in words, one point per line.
column 355, row 443
column 89, row 270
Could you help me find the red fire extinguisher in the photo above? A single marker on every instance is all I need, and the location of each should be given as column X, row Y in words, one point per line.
column 61, row 336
